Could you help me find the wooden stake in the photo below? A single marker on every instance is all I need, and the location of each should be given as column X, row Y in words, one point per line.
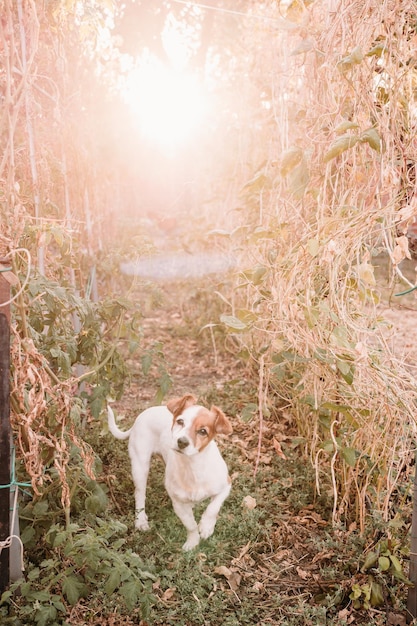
column 4, row 430
column 412, row 575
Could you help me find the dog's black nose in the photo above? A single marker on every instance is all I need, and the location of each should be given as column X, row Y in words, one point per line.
column 182, row 443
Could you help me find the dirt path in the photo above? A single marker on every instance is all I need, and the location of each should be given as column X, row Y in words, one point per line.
column 174, row 340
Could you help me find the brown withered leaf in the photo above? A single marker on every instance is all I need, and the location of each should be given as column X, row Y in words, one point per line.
column 232, row 576
column 168, row 594
column 302, row 573
column 278, row 449
column 249, row 503
column 396, row 619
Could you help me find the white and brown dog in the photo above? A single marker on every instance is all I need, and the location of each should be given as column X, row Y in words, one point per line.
column 182, row 432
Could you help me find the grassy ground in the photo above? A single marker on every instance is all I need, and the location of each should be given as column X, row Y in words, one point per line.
column 274, row 557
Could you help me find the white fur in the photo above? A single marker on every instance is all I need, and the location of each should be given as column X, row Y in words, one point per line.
column 195, row 469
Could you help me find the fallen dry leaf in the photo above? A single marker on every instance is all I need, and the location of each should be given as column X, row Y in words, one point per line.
column 234, row 581
column 396, row 619
column 233, row 578
column 168, row 594
column 302, row 573
column 345, row 614
column 323, row 556
column 278, row 449
column 249, row 502
column 401, row 250
column 222, row 570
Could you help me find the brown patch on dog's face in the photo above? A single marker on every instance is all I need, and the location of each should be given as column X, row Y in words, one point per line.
column 194, row 426
column 178, row 405
column 202, row 430
column 206, row 425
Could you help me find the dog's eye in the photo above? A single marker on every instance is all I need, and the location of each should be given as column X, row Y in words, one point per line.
column 180, row 422
column 203, row 432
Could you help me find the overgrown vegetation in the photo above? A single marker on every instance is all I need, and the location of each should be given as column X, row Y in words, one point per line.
column 336, row 188
column 306, row 179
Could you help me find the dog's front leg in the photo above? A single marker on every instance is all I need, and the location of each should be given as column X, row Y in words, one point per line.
column 209, row 517
column 186, row 515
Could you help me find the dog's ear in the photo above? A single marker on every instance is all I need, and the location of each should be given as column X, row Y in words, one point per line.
column 178, row 405
column 222, row 424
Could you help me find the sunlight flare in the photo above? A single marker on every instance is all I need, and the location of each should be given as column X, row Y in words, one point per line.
column 169, row 105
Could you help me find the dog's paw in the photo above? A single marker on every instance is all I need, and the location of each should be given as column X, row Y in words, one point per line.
column 206, row 527
column 193, row 539
column 141, row 522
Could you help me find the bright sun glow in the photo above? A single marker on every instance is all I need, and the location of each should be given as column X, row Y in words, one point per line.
column 168, row 101
column 169, row 104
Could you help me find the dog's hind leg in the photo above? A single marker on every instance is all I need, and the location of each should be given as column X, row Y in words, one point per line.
column 140, row 460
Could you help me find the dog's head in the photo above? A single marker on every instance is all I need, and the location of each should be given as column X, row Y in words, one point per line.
column 194, row 426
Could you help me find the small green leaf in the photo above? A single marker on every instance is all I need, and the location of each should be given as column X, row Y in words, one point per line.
column 356, row 592
column 339, row 146
column 41, row 596
column 248, row 412
column 257, row 183
column 73, row 589
column 40, row 508
column 45, row 614
column 372, row 138
column 377, row 596
column 146, row 361
column 112, row 583
column 130, row 592
column 233, row 322
column 6, row 596
column 58, row 604
column 94, row 504
column 328, row 446
column 346, row 371
column 290, row 159
column 396, row 563
column 34, row 574
column 60, row 538
column 349, row 455
column 27, row 535
column 344, row 126
column 305, row 46
column 354, row 58
column 377, row 50
column 384, row 563
column 255, row 275
column 366, row 274
column 298, row 179
column 370, row 561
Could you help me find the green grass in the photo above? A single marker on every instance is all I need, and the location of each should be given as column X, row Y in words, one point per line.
column 280, row 562
column 285, row 564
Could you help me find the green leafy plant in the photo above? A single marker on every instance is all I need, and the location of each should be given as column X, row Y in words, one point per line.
column 382, row 564
column 78, row 559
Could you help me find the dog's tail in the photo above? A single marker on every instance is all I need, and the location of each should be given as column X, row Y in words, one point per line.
column 116, row 432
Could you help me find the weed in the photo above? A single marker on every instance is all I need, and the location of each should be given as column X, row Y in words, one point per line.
column 80, row 561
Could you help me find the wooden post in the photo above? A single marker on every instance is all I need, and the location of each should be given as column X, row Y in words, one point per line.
column 4, row 430
column 412, row 575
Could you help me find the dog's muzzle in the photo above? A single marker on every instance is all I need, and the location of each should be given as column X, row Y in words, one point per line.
column 182, row 443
